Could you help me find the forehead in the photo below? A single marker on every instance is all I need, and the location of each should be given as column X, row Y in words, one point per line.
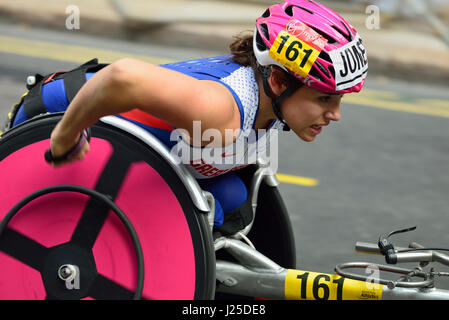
column 313, row 92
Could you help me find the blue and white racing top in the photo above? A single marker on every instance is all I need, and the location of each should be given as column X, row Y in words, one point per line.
column 249, row 145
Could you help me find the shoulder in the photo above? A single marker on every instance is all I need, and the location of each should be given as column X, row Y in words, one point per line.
column 231, row 92
column 212, row 68
column 189, row 91
column 245, row 88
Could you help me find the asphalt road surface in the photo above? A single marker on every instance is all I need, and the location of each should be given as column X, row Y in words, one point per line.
column 383, row 166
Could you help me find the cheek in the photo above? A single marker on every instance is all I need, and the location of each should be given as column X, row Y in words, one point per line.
column 299, row 115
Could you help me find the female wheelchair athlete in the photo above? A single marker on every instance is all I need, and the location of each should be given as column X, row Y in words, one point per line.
column 126, row 222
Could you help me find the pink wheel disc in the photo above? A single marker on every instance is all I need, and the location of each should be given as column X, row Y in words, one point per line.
column 50, row 220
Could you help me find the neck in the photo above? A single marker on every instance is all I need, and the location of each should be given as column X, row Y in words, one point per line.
column 265, row 115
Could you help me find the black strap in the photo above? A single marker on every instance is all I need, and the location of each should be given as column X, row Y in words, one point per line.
column 76, row 78
column 237, row 219
column 277, row 101
column 73, row 81
column 33, row 104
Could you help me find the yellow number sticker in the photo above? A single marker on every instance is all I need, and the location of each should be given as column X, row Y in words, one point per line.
column 294, row 53
column 305, row 285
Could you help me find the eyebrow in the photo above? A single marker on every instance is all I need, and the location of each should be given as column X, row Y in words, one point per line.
column 332, row 94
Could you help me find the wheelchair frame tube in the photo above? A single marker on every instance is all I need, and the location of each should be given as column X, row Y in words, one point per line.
column 236, row 279
column 257, row 276
column 195, row 192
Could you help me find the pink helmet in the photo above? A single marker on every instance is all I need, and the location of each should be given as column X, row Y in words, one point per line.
column 314, row 44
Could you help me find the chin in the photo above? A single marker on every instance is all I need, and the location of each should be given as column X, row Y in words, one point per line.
column 309, row 139
column 306, row 137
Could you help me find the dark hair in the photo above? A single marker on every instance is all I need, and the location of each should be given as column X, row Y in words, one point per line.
column 242, row 51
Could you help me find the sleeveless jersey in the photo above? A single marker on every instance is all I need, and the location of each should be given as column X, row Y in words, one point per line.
column 207, row 162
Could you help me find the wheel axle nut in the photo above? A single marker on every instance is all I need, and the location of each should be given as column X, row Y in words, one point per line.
column 67, row 272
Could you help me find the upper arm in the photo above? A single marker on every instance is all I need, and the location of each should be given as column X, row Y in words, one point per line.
column 179, row 99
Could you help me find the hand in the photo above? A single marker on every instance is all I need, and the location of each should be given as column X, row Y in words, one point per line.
column 65, row 150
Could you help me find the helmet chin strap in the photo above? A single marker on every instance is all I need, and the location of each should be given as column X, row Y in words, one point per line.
column 276, row 102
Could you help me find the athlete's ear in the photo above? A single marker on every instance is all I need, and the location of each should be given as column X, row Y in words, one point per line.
column 277, row 81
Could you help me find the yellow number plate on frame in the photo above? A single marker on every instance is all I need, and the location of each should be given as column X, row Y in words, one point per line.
column 305, row 285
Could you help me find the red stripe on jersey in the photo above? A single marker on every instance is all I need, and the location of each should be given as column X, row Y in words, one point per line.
column 147, row 119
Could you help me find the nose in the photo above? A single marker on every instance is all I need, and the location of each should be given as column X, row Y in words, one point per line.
column 334, row 113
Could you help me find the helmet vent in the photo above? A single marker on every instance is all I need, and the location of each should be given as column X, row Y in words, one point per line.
column 260, row 43
column 322, row 69
column 348, row 35
column 314, row 73
column 264, row 29
column 329, row 39
column 317, row 65
column 289, row 10
column 266, row 14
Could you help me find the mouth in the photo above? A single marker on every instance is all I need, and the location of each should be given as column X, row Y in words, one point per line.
column 316, row 128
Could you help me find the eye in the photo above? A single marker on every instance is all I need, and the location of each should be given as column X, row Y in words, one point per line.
column 324, row 99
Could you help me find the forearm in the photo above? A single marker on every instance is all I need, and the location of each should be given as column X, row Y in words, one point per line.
column 168, row 95
column 102, row 95
column 128, row 84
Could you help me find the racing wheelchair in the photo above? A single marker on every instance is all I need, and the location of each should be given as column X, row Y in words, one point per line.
column 130, row 222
